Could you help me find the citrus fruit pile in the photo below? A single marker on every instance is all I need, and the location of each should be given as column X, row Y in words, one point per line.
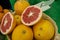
column 26, row 23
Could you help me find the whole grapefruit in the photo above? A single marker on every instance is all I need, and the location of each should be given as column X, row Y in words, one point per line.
column 20, row 6
column 43, row 30
column 22, row 32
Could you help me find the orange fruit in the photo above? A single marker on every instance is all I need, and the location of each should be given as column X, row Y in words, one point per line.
column 18, row 19
column 43, row 30
column 22, row 32
column 8, row 23
column 20, row 6
column 6, row 10
column 1, row 16
column 1, row 9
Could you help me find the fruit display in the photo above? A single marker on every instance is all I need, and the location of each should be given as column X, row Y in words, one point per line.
column 26, row 22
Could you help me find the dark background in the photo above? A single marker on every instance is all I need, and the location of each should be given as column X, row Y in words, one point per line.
column 5, row 4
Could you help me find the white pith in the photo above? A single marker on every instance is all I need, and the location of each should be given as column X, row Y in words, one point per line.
column 30, row 14
column 34, row 22
column 5, row 21
column 8, row 30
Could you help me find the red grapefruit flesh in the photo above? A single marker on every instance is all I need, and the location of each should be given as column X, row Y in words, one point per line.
column 31, row 15
column 7, row 23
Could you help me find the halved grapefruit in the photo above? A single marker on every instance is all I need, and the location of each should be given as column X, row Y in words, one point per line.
column 8, row 23
column 31, row 15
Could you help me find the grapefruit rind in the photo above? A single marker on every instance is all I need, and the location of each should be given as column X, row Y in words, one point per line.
column 34, row 22
column 8, row 30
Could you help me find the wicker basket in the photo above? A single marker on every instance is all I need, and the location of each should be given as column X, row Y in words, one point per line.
column 56, row 36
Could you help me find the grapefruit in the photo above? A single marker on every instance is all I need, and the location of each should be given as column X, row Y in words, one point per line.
column 43, row 30
column 18, row 19
column 20, row 6
column 22, row 32
column 31, row 15
column 8, row 23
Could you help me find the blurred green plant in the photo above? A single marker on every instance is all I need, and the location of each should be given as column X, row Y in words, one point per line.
column 3, row 37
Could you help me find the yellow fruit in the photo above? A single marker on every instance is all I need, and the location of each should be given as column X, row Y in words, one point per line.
column 43, row 30
column 18, row 19
column 1, row 16
column 22, row 32
column 6, row 10
column 20, row 6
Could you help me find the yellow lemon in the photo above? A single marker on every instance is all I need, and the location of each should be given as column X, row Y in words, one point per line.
column 43, row 30
column 22, row 32
column 18, row 19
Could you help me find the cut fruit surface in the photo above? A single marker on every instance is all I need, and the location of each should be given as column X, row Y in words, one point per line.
column 8, row 23
column 31, row 15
